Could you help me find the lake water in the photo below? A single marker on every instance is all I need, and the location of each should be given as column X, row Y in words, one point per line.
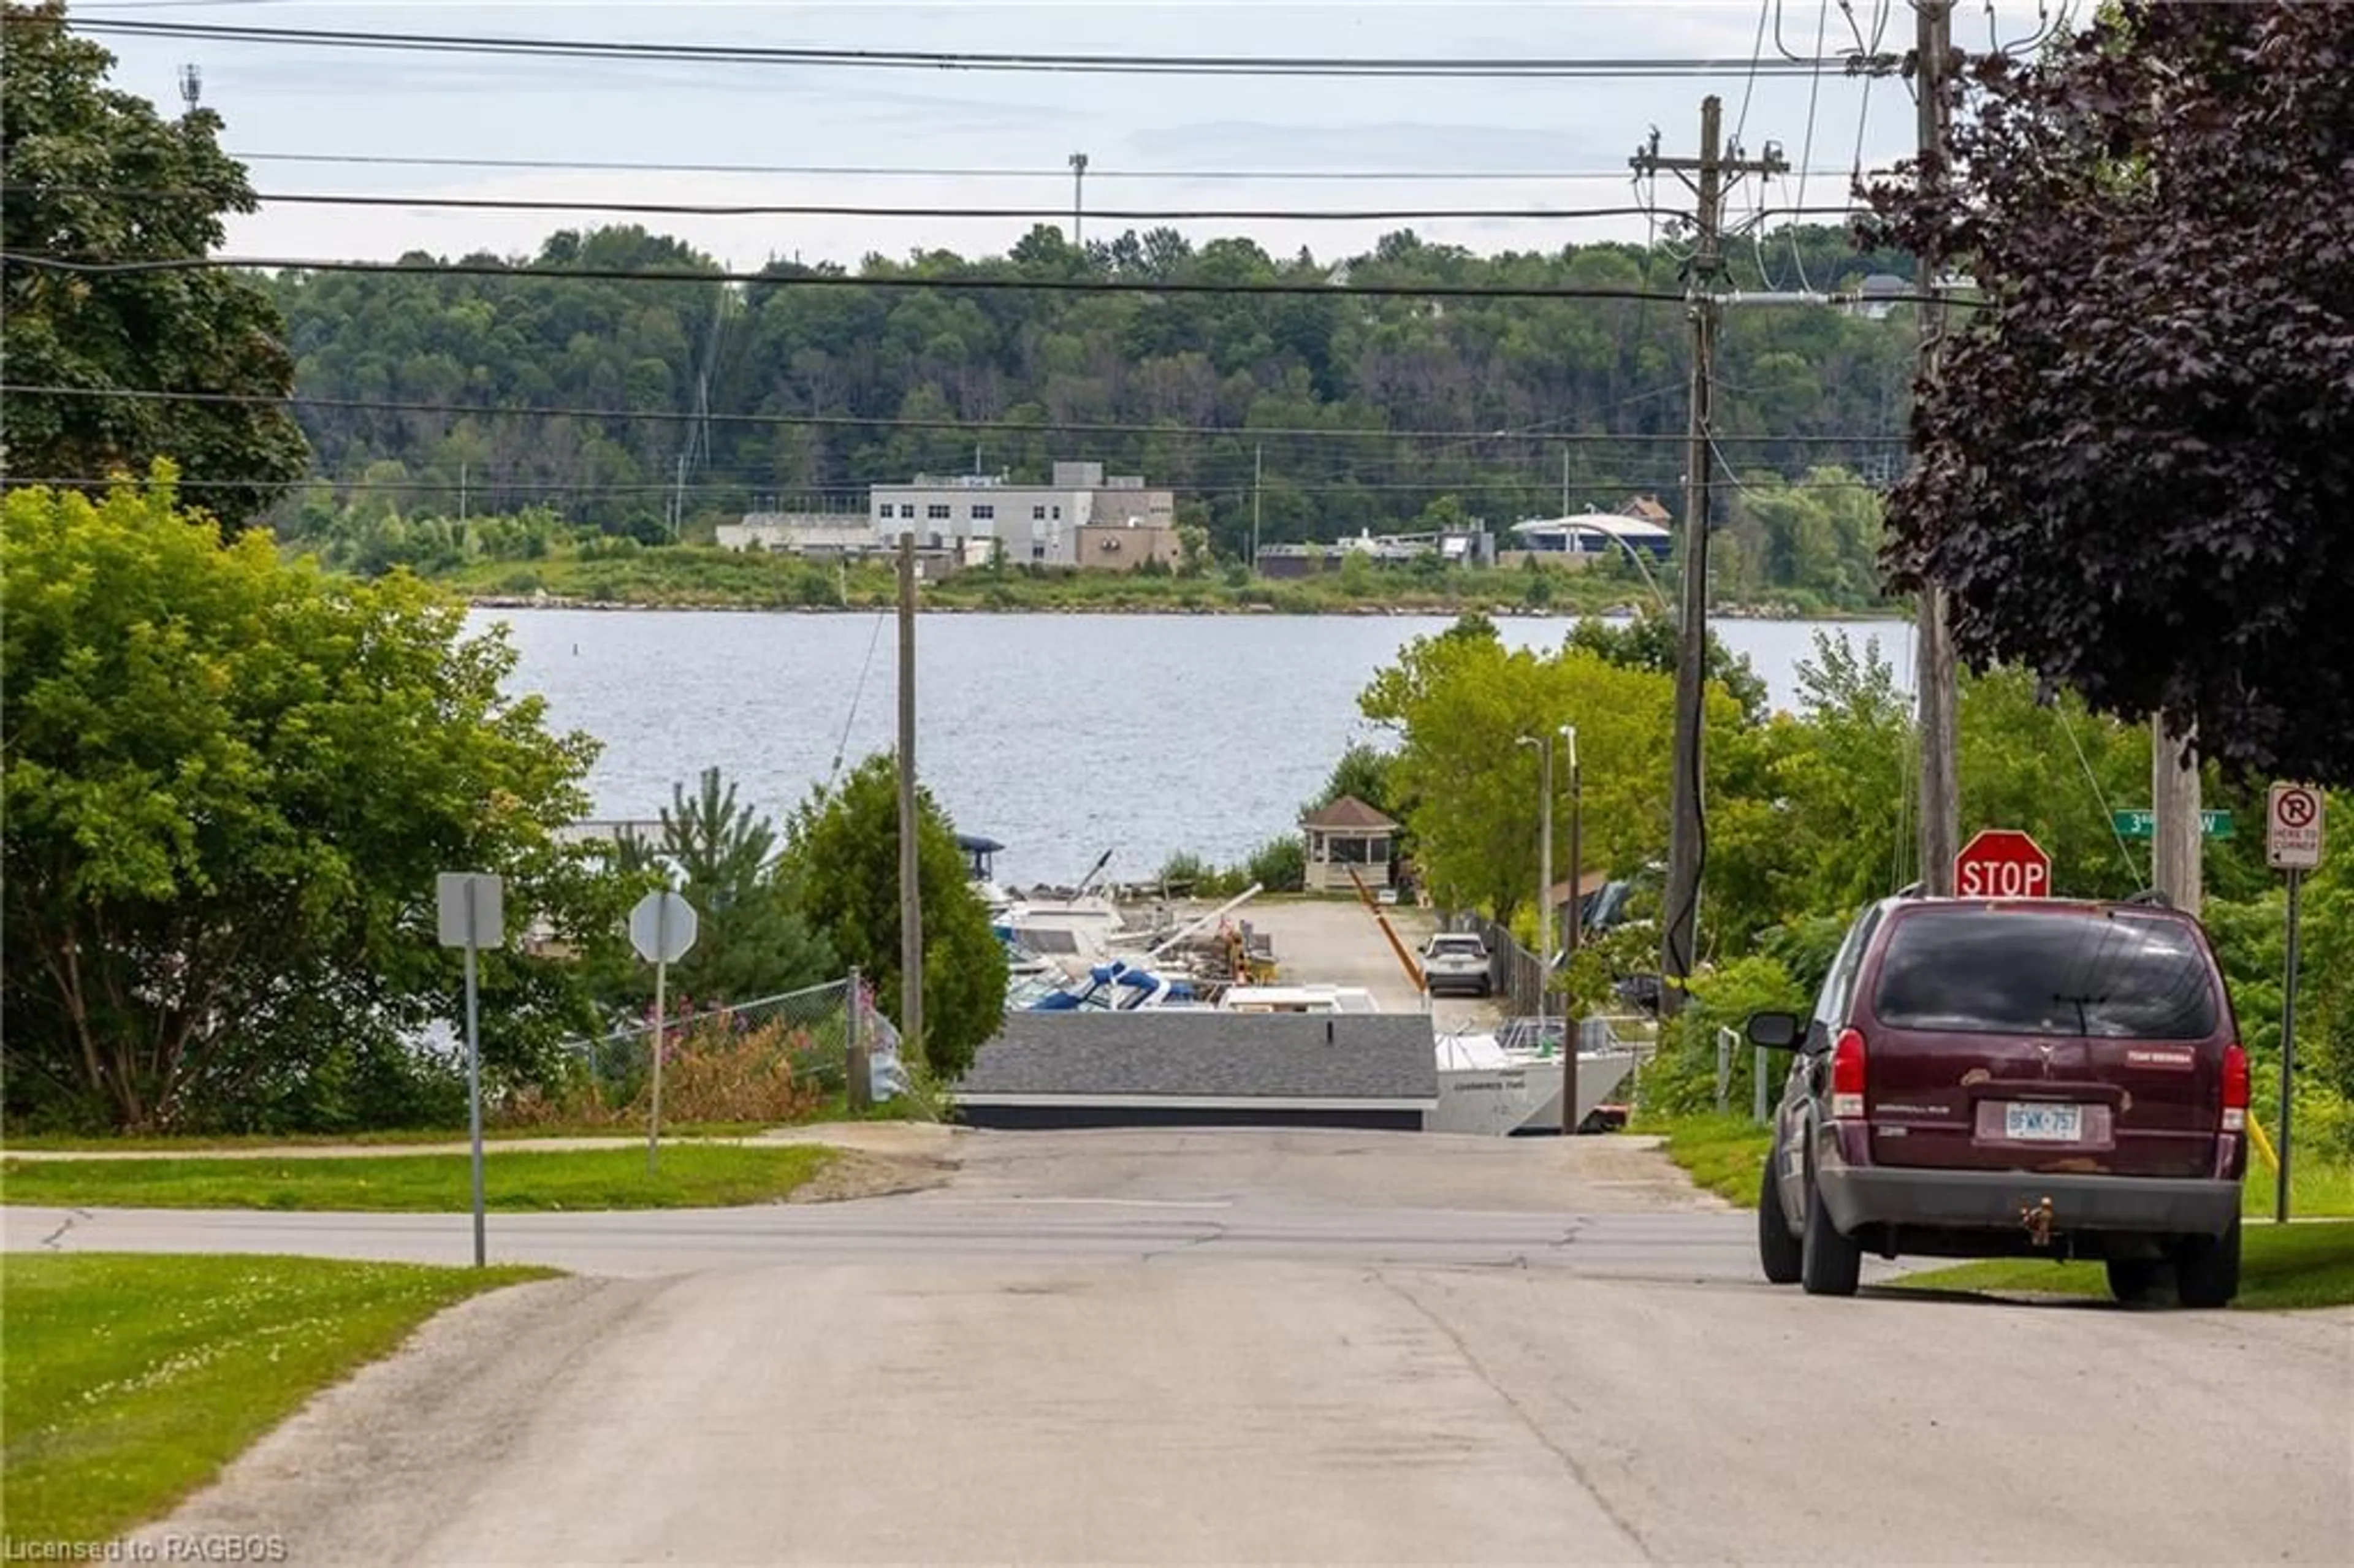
column 1061, row 736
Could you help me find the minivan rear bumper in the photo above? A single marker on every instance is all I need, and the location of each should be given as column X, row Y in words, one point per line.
column 1996, row 1200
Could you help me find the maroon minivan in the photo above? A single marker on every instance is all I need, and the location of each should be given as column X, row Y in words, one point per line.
column 1996, row 1078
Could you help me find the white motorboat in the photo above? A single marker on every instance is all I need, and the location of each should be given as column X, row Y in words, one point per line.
column 1509, row 1080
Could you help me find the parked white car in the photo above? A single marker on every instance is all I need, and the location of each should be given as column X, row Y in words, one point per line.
column 1457, row 962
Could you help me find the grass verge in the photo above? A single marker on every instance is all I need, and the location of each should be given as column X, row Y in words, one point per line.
column 1722, row 1153
column 196, row 1143
column 2281, row 1267
column 130, row 1380
column 2320, row 1189
column 690, row 1176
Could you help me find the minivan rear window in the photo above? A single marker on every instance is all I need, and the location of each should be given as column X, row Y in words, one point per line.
column 2106, row 974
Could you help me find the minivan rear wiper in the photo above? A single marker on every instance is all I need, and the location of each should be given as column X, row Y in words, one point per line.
column 2084, row 1021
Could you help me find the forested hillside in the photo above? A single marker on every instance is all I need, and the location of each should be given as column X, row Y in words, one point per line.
column 812, row 393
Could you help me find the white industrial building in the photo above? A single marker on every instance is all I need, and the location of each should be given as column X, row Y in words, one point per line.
column 1034, row 523
column 974, row 514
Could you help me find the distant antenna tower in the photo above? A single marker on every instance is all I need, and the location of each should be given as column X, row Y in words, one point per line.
column 192, row 85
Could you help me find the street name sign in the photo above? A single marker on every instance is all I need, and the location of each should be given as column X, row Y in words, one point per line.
column 2143, row 824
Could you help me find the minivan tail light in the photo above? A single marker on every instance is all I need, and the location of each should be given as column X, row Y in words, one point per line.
column 1847, row 1075
column 2235, row 1088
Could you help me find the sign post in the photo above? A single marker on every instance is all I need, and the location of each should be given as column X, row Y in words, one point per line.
column 2293, row 822
column 661, row 927
column 469, row 913
column 2003, row 863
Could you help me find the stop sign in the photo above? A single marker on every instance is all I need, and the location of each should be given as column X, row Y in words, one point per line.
column 2003, row 863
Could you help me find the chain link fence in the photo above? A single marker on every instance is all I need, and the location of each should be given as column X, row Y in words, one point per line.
column 771, row 1059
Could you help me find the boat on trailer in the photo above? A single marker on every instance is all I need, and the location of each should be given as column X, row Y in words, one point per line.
column 1509, row 1080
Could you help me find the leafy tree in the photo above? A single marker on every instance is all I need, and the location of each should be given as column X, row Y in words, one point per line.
column 1194, row 549
column 1460, row 704
column 1364, row 771
column 751, row 939
column 97, row 174
column 1195, row 377
column 1649, row 642
column 842, row 858
column 2137, row 468
column 230, row 784
column 2249, row 933
column 1836, row 780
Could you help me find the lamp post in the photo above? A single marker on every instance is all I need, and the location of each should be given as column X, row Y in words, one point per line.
column 1543, row 744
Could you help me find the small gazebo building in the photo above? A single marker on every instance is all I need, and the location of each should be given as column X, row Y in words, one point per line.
column 1349, row 835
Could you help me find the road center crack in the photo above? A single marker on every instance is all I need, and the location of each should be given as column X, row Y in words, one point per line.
column 49, row 1243
column 1521, row 1412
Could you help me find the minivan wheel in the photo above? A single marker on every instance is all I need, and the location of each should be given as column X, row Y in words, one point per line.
column 1828, row 1263
column 2138, row 1281
column 1778, row 1252
column 2207, row 1268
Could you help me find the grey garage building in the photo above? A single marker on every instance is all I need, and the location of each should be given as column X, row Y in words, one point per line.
column 1180, row 1068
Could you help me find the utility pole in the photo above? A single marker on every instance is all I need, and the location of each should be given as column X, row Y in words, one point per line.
column 1544, row 883
column 1564, row 480
column 1258, row 473
column 1707, row 177
column 678, row 501
column 1939, row 835
column 1576, row 849
column 461, row 493
column 2177, row 832
column 911, row 902
column 1078, row 186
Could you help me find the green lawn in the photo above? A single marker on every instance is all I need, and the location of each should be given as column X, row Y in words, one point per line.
column 2280, row 1266
column 196, row 1143
column 131, row 1381
column 691, row 1176
column 1725, row 1154
column 2322, row 1189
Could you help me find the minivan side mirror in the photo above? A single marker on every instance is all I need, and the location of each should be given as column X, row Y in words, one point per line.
column 1773, row 1031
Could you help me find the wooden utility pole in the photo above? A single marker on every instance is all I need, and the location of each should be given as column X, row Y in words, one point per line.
column 911, row 902
column 2177, row 832
column 1707, row 176
column 1939, row 836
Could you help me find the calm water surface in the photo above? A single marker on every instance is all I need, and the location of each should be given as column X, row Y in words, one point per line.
column 1063, row 736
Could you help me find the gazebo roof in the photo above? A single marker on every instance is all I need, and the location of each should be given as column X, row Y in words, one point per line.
column 1349, row 814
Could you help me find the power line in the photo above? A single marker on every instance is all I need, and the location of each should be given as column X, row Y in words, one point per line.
column 813, row 279
column 926, row 59
column 737, row 209
column 896, row 171
column 902, row 422
column 809, row 279
column 477, row 485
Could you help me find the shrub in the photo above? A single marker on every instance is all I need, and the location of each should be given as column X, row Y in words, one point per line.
column 1682, row 1080
column 1280, row 864
column 714, row 1069
column 1184, row 871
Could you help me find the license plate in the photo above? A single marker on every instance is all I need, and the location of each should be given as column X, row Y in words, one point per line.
column 2043, row 1124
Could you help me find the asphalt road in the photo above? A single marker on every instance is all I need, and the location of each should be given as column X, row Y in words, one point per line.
column 1250, row 1347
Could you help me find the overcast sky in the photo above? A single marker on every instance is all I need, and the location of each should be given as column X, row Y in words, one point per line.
column 278, row 98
